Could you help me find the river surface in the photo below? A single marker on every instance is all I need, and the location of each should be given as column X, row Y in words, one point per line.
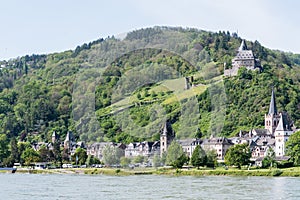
column 54, row 186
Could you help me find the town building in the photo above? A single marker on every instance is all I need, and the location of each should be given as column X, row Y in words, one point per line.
column 189, row 145
column 146, row 149
column 219, row 144
column 96, row 149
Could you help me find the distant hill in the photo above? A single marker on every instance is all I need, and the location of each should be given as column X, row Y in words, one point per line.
column 124, row 90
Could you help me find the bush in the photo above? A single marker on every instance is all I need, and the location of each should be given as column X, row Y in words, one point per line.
column 276, row 172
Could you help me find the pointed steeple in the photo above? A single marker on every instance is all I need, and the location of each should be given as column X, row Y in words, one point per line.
column 165, row 129
column 243, row 46
column 272, row 108
column 280, row 126
column 283, row 124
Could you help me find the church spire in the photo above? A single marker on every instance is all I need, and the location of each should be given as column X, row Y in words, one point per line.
column 272, row 108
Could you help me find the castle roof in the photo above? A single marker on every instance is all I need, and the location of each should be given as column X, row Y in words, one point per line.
column 69, row 137
column 243, row 46
column 54, row 134
column 244, row 55
column 272, row 108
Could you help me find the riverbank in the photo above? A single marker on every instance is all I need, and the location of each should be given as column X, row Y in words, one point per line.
column 292, row 172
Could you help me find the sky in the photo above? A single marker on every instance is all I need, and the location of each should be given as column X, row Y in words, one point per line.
column 37, row 27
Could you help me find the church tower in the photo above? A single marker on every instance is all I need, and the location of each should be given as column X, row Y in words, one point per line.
column 166, row 137
column 272, row 118
column 282, row 134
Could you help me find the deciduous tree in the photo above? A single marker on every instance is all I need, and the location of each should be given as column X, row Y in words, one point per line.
column 293, row 147
column 238, row 155
column 199, row 157
column 175, row 155
column 111, row 155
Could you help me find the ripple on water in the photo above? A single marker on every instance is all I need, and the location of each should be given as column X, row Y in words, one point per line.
column 44, row 187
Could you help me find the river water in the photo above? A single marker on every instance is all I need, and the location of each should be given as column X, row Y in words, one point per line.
column 50, row 186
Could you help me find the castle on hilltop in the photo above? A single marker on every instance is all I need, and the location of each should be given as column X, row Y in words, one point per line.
column 243, row 58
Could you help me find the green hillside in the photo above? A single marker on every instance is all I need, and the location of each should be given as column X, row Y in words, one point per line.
column 124, row 90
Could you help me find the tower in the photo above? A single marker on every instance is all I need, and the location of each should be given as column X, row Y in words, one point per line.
column 69, row 140
column 272, row 118
column 54, row 137
column 282, row 134
column 166, row 137
column 243, row 46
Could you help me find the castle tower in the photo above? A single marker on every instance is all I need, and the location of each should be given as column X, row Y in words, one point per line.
column 243, row 46
column 272, row 118
column 69, row 140
column 166, row 137
column 282, row 133
column 54, row 137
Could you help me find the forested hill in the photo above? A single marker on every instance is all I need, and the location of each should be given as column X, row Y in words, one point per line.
column 124, row 90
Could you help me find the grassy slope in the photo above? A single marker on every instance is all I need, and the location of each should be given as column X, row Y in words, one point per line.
column 293, row 172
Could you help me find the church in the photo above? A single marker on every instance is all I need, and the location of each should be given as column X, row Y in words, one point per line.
column 278, row 125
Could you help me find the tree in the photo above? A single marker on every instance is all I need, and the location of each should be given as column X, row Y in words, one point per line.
column 156, row 161
column 57, row 153
column 14, row 150
column 111, row 155
column 175, row 155
column 293, row 147
column 238, row 155
column 79, row 156
column 198, row 133
column 124, row 161
column 199, row 157
column 3, row 147
column 179, row 162
column 92, row 160
column 44, row 153
column 22, row 146
column 269, row 160
column 29, row 156
column 211, row 158
column 139, row 159
column 14, row 153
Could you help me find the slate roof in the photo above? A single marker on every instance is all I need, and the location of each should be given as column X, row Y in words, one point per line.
column 283, row 124
column 272, row 108
column 243, row 46
column 282, row 158
column 188, row 142
column 265, row 141
column 261, row 132
column 217, row 140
